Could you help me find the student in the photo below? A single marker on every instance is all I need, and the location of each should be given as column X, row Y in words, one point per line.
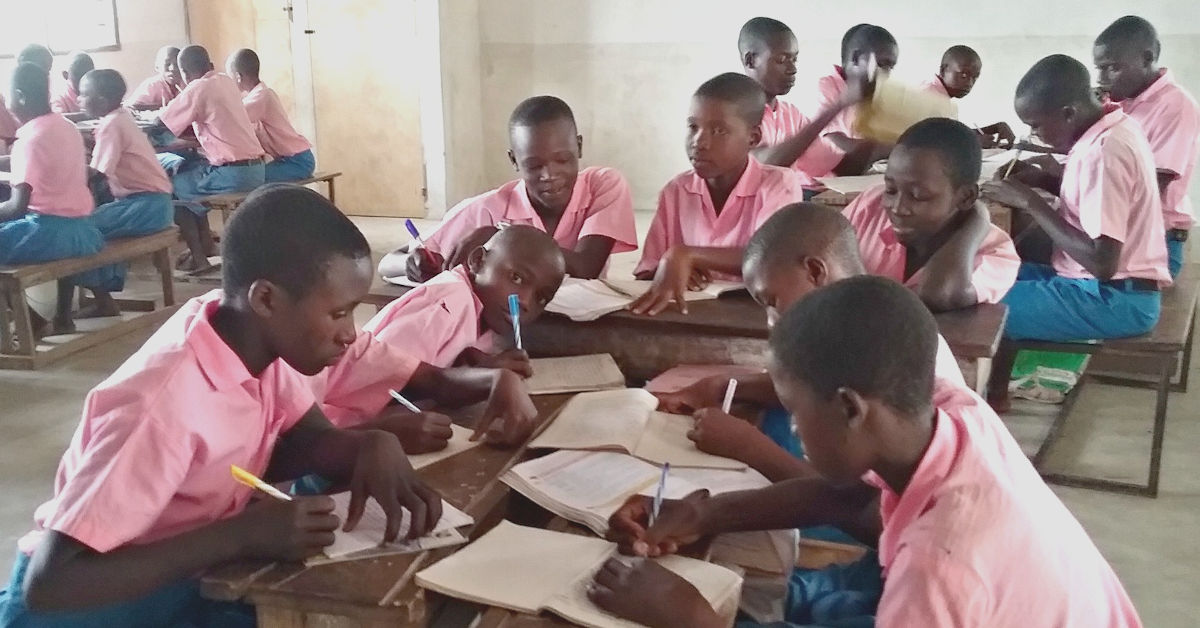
column 769, row 50
column 66, row 98
column 1126, row 54
column 961, row 67
column 143, row 498
column 859, row 44
column 291, row 155
column 47, row 217
column 589, row 212
column 123, row 154
column 925, row 226
column 38, row 55
column 461, row 317
column 706, row 215
column 160, row 89
column 1109, row 259
column 971, row 535
column 233, row 159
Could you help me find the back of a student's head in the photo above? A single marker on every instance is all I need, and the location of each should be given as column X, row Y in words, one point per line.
column 800, row 248
column 865, row 39
column 1055, row 98
column 79, row 64
column 724, row 123
column 38, row 55
column 194, row 62
column 857, row 342
column 545, row 148
column 521, row 260
column 29, row 92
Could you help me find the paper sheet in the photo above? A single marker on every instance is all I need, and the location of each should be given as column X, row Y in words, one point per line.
column 368, row 535
column 459, row 442
column 579, row 373
column 402, row 280
column 685, row 375
column 852, row 185
column 583, row 479
column 587, row 300
column 595, row 420
column 665, row 440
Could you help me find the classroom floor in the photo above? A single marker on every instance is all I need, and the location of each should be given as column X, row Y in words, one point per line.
column 1150, row 542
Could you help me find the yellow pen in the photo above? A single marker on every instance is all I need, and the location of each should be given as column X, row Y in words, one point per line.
column 249, row 479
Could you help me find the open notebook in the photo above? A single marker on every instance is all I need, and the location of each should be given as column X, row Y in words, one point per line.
column 366, row 539
column 578, row 373
column 626, row 420
column 459, row 442
column 852, row 185
column 530, row 570
column 684, row 375
column 589, row 299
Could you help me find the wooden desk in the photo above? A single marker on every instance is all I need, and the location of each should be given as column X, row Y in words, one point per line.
column 377, row 591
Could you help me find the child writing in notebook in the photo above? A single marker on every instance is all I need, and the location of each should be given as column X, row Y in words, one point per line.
column 1126, row 54
column 48, row 215
column 706, row 215
column 143, row 498
column 1109, row 259
column 971, row 534
column 158, row 90
column 291, row 155
column 123, row 154
column 589, row 212
column 66, row 98
column 211, row 105
column 925, row 226
column 961, row 67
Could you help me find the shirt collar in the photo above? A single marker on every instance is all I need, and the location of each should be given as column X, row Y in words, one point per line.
column 519, row 207
column 216, row 359
column 1112, row 116
column 748, row 184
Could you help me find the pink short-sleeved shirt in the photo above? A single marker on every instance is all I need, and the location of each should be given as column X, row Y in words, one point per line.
column 125, row 156
column 275, row 132
column 65, row 99
column 1109, row 188
column 978, row 539
column 155, row 91
column 212, row 106
column 150, row 459
column 829, row 90
column 686, row 215
column 49, row 156
column 785, row 120
column 435, row 321
column 600, row 205
column 8, row 122
column 1171, row 119
column 996, row 260
column 355, row 389
column 945, row 365
column 936, row 86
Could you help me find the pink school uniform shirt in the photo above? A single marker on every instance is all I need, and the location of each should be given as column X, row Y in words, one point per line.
column 600, row 205
column 978, row 539
column 1109, row 188
column 8, row 122
column 49, row 156
column 935, row 85
column 785, row 120
column 355, row 389
column 212, row 106
column 275, row 132
column 829, row 90
column 124, row 155
column 996, row 260
column 435, row 321
column 65, row 99
column 1171, row 119
column 686, row 215
column 945, row 365
column 150, row 459
column 155, row 91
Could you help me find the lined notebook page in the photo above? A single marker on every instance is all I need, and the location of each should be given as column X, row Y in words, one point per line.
column 578, row 373
column 368, row 534
column 588, row 478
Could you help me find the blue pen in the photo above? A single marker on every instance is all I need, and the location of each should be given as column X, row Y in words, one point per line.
column 412, row 230
column 514, row 308
column 662, row 483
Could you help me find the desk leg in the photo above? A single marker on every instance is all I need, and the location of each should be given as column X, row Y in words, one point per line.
column 166, row 272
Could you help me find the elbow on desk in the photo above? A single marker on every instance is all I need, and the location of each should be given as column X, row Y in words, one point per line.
column 943, row 297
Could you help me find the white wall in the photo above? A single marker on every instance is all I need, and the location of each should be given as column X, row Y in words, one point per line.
column 628, row 67
column 143, row 26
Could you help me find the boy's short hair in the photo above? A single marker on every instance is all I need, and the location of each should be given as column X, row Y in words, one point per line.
column 246, row 61
column 1131, row 31
column 868, row 334
column 848, row 39
column 109, row 83
column 957, row 144
column 194, row 59
column 1054, row 82
column 865, row 37
column 34, row 84
column 740, row 90
column 36, row 54
column 960, row 51
column 757, row 31
column 537, row 110
column 286, row 234
column 81, row 63
column 805, row 229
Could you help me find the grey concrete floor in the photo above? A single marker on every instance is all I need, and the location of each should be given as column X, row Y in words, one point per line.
column 1152, row 543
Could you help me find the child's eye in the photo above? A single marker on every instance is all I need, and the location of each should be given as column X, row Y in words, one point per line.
column 516, row 278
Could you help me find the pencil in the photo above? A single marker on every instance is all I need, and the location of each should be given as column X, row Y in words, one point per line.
column 251, row 480
column 729, row 392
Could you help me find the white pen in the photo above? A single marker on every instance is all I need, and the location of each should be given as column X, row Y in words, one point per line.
column 404, row 402
column 658, row 494
column 729, row 392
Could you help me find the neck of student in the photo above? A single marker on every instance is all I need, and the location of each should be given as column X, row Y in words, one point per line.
column 920, row 249
column 720, row 186
column 549, row 215
column 237, row 327
column 904, row 451
column 1154, row 75
column 1088, row 118
column 33, row 115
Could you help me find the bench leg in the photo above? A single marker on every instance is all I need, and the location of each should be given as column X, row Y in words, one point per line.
column 26, row 344
column 331, row 199
column 1185, row 361
column 166, row 272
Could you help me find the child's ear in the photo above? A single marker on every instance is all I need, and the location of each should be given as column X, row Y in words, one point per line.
column 814, row 267
column 475, row 259
column 756, row 135
column 66, row 76
column 966, row 196
column 512, row 159
column 854, row 408
column 579, row 144
column 264, row 298
column 748, row 59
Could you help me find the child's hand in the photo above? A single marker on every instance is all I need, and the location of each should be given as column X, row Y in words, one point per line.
column 671, row 281
column 382, row 472
column 290, row 531
column 418, row 433
column 462, row 249
column 679, row 524
column 423, row 264
column 648, row 593
column 510, row 415
column 515, row 360
column 705, row 393
column 1008, row 192
column 721, row 434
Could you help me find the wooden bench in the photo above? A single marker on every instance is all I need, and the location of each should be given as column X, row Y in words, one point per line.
column 227, row 203
column 1169, row 343
column 18, row 347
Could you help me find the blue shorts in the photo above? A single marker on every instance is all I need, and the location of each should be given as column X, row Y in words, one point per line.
column 138, row 214
column 36, row 238
column 302, row 165
column 197, row 179
column 1044, row 306
column 176, row 605
column 1174, row 256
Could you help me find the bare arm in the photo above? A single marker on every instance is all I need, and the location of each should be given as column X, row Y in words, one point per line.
column 18, row 204
column 947, row 284
column 788, row 151
column 589, row 257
